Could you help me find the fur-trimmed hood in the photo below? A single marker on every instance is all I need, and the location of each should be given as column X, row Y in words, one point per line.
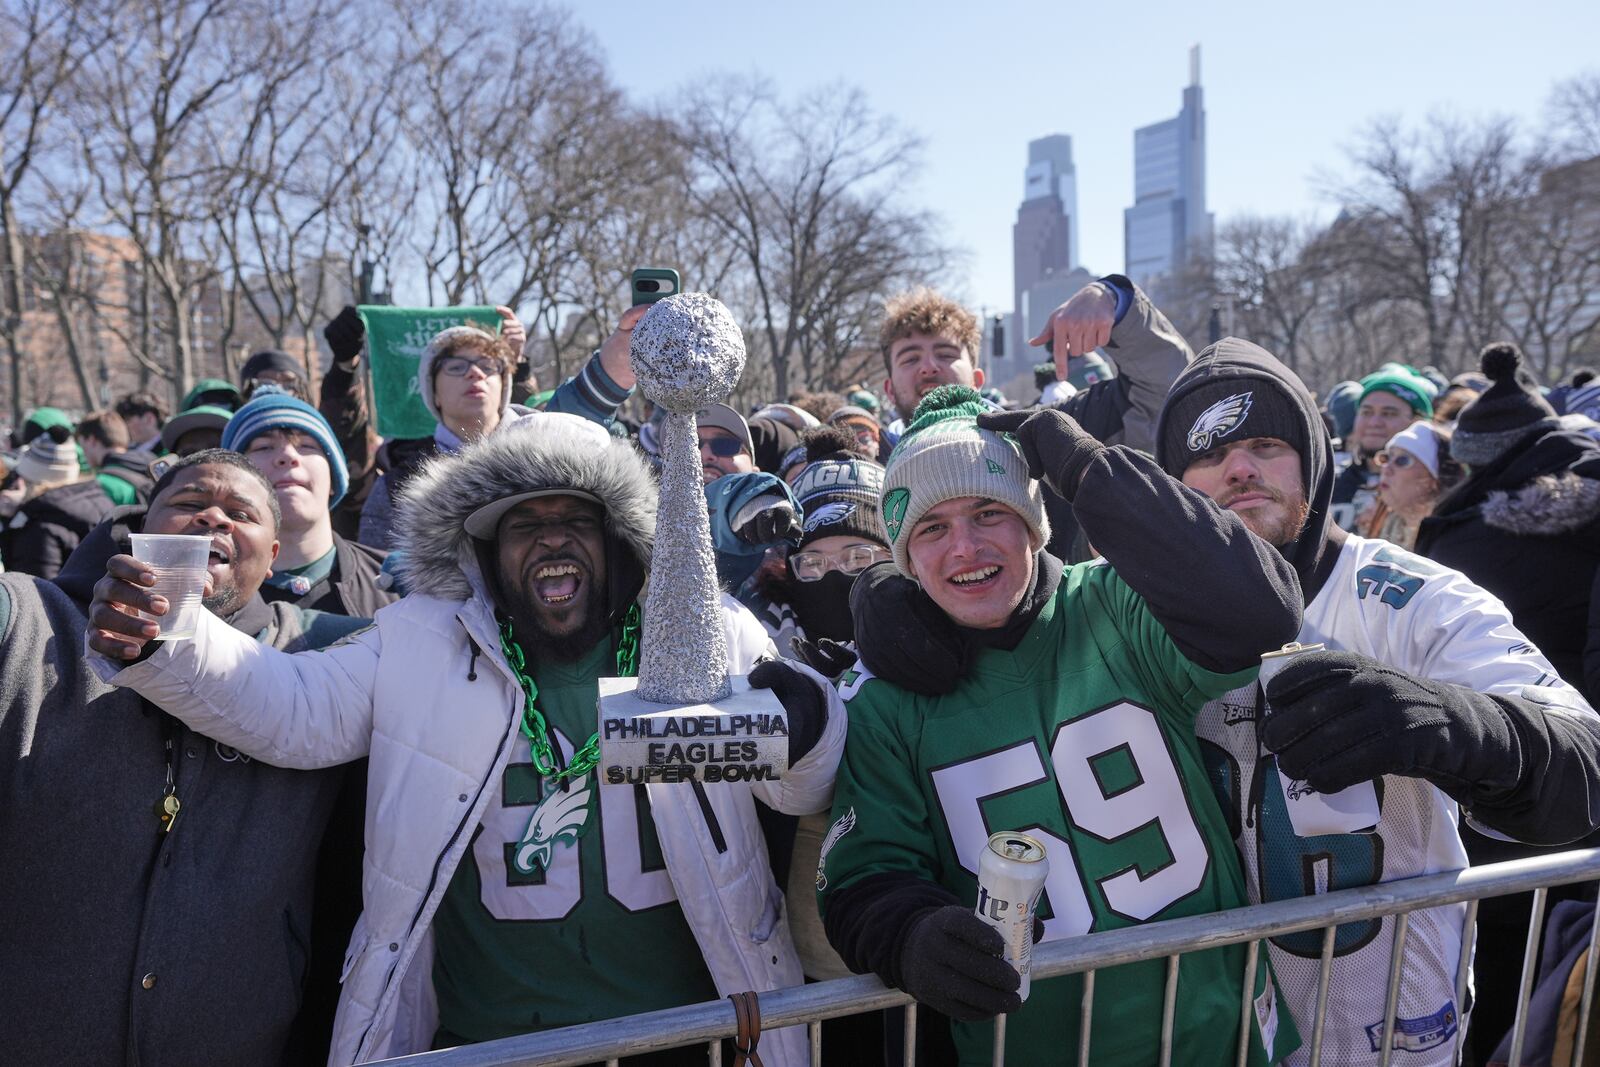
column 546, row 451
column 1551, row 504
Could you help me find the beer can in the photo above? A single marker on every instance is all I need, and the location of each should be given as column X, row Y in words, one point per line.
column 1353, row 810
column 1011, row 876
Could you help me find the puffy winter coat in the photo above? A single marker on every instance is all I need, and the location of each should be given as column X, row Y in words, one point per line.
column 45, row 530
column 1527, row 528
column 427, row 693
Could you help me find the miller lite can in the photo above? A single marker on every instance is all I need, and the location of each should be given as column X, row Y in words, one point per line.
column 1353, row 810
column 1011, row 877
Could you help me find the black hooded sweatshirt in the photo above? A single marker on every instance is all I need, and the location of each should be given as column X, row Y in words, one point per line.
column 1554, row 799
column 1314, row 553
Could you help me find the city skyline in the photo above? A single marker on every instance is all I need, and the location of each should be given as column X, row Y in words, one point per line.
column 1287, row 91
column 1168, row 220
column 1044, row 238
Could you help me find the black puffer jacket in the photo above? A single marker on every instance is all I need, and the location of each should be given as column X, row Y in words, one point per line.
column 47, row 528
column 352, row 589
column 1527, row 528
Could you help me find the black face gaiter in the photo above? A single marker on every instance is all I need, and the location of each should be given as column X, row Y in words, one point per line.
column 823, row 606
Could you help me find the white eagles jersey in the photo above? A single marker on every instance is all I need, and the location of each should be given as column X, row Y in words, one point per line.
column 1409, row 612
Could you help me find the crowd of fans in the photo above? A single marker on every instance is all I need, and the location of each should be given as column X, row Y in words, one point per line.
column 1158, row 519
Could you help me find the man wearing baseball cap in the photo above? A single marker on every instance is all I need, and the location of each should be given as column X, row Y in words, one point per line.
column 1081, row 697
column 751, row 510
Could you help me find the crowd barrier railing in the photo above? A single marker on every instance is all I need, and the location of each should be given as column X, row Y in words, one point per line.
column 808, row 1005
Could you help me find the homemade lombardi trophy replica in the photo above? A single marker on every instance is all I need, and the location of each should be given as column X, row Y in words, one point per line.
column 683, row 718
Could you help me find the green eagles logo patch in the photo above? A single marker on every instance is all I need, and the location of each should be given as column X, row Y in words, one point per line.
column 994, row 468
column 894, row 511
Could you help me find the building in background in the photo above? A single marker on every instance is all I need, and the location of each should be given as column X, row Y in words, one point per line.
column 93, row 328
column 1168, row 221
column 1044, row 240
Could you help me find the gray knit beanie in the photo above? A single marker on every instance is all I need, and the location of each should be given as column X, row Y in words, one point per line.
column 943, row 455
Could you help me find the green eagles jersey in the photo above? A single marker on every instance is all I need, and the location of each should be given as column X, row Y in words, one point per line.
column 592, row 930
column 1083, row 737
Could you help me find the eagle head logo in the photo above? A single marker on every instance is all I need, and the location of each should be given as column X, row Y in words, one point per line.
column 560, row 817
column 894, row 511
column 829, row 515
column 1219, row 420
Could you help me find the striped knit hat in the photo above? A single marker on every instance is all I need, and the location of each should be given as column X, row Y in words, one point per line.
column 49, row 459
column 943, row 455
column 272, row 409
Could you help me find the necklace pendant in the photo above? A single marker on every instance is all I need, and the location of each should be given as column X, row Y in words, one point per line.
column 561, row 817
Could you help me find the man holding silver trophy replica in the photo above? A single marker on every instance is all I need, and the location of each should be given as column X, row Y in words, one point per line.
column 520, row 874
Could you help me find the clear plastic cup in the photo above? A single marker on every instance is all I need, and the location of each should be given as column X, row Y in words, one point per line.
column 179, row 563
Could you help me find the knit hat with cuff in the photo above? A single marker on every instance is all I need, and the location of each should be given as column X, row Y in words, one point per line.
column 1226, row 410
column 49, row 459
column 1415, row 390
column 943, row 455
column 272, row 409
column 1420, row 440
column 1504, row 413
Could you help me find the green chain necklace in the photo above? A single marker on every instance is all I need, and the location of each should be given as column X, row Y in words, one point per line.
column 533, row 724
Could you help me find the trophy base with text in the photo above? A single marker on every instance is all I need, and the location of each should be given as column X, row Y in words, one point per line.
column 744, row 737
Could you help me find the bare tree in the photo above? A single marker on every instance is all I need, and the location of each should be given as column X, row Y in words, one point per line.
column 41, row 44
column 1550, row 270
column 1264, row 266
column 1429, row 205
column 156, row 153
column 788, row 186
column 1574, row 115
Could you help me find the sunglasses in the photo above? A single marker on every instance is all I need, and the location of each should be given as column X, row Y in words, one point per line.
column 1398, row 460
column 725, row 447
column 812, row 566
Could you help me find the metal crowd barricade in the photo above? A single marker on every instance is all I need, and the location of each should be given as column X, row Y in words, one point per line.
column 808, row 1005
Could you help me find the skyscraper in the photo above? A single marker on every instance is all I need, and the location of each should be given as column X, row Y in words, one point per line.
column 1168, row 220
column 1044, row 240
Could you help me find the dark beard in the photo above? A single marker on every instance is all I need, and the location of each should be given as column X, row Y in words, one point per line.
column 540, row 644
column 222, row 602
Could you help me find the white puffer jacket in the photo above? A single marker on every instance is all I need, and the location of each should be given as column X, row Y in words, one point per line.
column 427, row 694
column 404, row 692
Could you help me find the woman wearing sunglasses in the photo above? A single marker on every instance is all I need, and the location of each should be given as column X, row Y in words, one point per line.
column 1415, row 471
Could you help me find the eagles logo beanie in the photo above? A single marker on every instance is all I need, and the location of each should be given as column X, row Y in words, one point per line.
column 1219, row 412
column 839, row 495
column 943, row 455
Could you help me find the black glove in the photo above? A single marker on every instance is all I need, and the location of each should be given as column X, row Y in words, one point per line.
column 951, row 962
column 802, row 699
column 1057, row 449
column 346, row 334
column 774, row 524
column 1338, row 718
column 826, row 656
column 903, row 637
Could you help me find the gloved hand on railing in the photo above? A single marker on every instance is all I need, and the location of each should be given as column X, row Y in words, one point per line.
column 951, row 962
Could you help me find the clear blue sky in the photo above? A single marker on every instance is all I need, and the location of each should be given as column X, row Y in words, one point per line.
column 1286, row 87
